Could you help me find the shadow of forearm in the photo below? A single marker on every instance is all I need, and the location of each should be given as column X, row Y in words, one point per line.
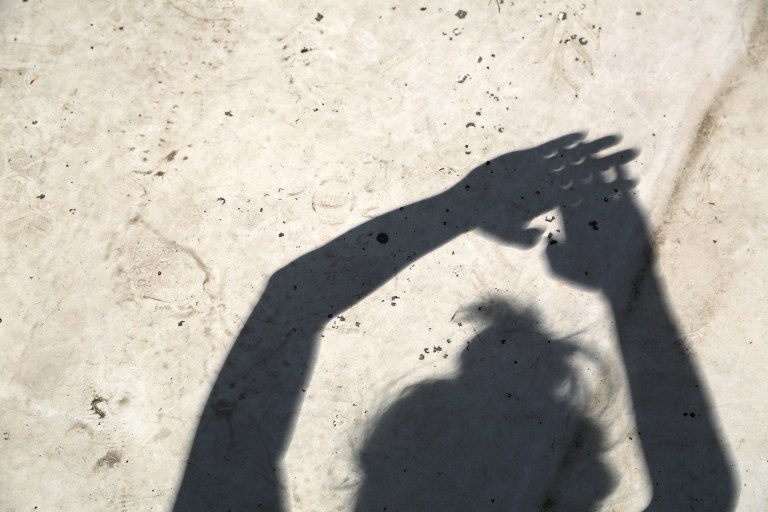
column 686, row 455
column 248, row 420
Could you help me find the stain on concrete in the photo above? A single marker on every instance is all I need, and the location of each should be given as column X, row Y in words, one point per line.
column 109, row 460
column 97, row 408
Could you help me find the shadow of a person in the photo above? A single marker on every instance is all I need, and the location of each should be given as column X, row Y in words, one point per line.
column 508, row 432
column 248, row 419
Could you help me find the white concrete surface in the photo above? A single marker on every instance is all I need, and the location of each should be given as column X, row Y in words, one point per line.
column 162, row 159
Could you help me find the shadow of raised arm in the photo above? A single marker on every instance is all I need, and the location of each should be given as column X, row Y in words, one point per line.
column 608, row 247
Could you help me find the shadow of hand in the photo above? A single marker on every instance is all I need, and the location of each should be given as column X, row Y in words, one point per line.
column 502, row 196
column 605, row 232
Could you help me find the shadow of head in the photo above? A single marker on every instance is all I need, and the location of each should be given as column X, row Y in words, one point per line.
column 509, row 430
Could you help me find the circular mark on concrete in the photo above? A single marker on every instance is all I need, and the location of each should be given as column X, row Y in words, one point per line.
column 333, row 201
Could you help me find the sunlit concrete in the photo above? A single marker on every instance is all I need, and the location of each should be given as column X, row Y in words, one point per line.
column 162, row 159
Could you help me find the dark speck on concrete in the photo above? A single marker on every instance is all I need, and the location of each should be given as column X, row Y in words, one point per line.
column 461, row 14
column 228, row 113
column 281, row 235
column 41, row 196
column 593, row 223
column 583, row 40
column 319, row 17
column 382, row 238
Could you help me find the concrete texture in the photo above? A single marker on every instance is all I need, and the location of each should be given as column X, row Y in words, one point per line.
column 162, row 161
